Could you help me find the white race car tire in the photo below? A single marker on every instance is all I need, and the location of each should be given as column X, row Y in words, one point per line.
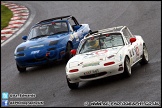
column 127, row 67
column 72, row 85
column 145, row 58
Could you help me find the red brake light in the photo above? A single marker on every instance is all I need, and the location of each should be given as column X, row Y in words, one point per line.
column 109, row 63
column 73, row 51
column 74, row 70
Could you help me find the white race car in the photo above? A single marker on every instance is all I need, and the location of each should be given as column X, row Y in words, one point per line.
column 105, row 53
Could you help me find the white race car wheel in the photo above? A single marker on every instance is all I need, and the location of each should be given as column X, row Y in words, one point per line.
column 72, row 85
column 127, row 67
column 145, row 58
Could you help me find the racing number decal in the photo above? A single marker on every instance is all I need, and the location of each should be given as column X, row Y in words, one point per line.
column 76, row 36
column 101, row 52
column 137, row 51
column 133, row 52
column 130, row 53
column 71, row 37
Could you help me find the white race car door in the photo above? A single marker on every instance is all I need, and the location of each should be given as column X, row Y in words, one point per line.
column 137, row 49
column 131, row 49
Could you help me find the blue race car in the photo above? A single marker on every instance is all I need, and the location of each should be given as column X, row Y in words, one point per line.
column 50, row 40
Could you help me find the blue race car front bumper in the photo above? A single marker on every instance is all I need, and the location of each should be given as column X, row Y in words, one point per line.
column 39, row 58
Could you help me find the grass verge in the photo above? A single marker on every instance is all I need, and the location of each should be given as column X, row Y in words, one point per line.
column 6, row 15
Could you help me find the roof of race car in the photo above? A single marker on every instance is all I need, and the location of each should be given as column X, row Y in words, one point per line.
column 58, row 18
column 105, row 31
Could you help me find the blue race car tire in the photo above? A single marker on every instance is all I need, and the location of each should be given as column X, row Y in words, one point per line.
column 68, row 53
column 21, row 69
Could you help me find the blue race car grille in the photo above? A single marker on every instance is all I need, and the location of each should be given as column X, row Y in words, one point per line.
column 39, row 59
column 35, row 60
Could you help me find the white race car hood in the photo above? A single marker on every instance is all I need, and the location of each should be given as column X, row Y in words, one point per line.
column 94, row 56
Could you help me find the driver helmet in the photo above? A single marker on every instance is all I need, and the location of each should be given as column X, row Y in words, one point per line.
column 94, row 43
column 44, row 30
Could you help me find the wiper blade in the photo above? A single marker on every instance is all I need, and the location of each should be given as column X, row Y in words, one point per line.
column 39, row 36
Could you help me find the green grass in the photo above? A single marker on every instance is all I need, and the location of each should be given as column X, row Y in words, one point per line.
column 6, row 15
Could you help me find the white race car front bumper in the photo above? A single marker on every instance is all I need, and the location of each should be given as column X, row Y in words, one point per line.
column 95, row 72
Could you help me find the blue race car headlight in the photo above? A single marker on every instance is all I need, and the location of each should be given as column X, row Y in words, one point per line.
column 53, row 48
column 53, row 42
column 21, row 49
column 21, row 54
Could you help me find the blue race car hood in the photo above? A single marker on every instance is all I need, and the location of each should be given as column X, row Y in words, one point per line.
column 43, row 41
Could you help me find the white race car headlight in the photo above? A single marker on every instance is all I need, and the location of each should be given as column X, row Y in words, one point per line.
column 73, row 64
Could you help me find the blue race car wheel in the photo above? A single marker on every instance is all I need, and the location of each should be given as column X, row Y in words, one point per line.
column 68, row 54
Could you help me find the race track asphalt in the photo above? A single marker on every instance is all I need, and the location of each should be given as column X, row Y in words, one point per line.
column 48, row 82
